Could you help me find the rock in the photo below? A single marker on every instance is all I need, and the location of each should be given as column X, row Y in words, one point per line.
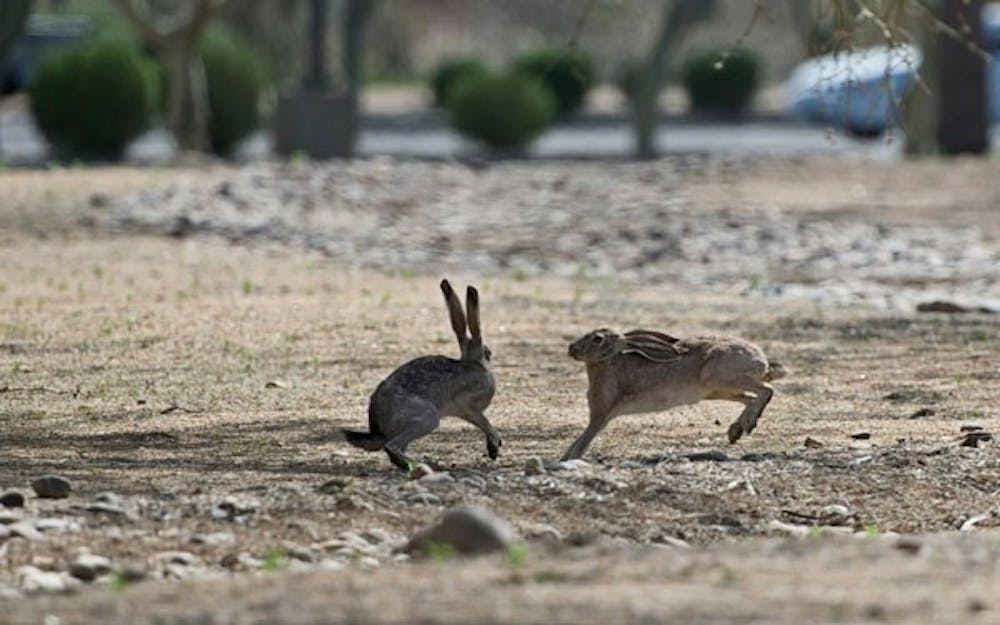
column 368, row 563
column 675, row 542
column 543, row 532
column 333, row 486
column 534, row 466
column 56, row 524
column 88, row 567
column 8, row 516
column 922, row 412
column 330, row 564
column 110, row 509
column 376, row 536
column 972, row 439
column 51, row 487
column 469, row 530
column 422, row 470
column 12, row 499
column 182, row 558
column 861, row 436
column 234, row 509
column 438, row 477
column 908, row 545
column 970, row 428
column 110, row 498
column 213, row 539
column 708, row 456
column 34, row 580
column 25, row 530
column 812, row 443
column 422, row 497
column 566, row 465
column 132, row 573
column 943, row 306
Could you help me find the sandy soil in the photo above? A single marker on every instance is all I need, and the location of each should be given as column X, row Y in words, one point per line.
column 203, row 382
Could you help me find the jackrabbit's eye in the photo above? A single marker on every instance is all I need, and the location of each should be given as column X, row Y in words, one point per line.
column 598, row 339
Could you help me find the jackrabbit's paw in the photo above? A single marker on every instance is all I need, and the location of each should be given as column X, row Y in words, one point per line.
column 735, row 431
column 493, row 448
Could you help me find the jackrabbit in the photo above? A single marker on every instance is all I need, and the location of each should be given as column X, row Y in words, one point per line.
column 645, row 371
column 411, row 401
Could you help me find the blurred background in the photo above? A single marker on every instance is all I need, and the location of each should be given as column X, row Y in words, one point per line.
column 155, row 80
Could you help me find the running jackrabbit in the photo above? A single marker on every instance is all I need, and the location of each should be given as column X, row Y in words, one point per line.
column 411, row 401
column 645, row 371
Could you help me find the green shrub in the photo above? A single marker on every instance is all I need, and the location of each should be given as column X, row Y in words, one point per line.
column 567, row 72
column 236, row 79
column 721, row 82
column 92, row 100
column 503, row 111
column 450, row 72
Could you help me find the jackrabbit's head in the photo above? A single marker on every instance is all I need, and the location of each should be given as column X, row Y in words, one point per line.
column 467, row 330
column 596, row 346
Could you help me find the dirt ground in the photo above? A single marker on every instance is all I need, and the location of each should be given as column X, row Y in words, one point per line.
column 203, row 382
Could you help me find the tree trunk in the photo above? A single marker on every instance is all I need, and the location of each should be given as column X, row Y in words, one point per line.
column 317, row 78
column 963, row 126
column 356, row 18
column 177, row 46
column 678, row 17
column 188, row 117
column 13, row 15
column 920, row 105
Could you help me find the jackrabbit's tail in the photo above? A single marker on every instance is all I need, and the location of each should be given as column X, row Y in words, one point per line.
column 775, row 370
column 369, row 441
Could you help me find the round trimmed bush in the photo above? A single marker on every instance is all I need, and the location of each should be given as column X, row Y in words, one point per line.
column 452, row 71
column 504, row 111
column 567, row 72
column 91, row 100
column 720, row 82
column 236, row 79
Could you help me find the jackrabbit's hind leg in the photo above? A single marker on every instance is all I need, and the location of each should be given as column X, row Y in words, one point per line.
column 747, row 399
column 419, row 423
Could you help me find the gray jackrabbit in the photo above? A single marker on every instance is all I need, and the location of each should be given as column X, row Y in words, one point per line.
column 411, row 401
column 645, row 371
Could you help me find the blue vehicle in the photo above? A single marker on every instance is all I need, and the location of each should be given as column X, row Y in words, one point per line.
column 42, row 34
column 859, row 91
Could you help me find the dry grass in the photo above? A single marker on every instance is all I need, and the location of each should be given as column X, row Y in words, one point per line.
column 141, row 365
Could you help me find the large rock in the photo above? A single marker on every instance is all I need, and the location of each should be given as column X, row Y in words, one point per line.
column 51, row 487
column 89, row 566
column 469, row 530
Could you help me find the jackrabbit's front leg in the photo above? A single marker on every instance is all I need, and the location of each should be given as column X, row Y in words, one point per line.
column 493, row 440
column 747, row 420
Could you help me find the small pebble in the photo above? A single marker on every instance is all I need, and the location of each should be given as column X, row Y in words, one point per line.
column 534, row 466
column 88, row 567
column 422, row 470
column 12, row 499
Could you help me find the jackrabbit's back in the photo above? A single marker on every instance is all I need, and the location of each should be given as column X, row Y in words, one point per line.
column 440, row 380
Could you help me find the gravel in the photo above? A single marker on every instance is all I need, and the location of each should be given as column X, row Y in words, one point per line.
column 631, row 221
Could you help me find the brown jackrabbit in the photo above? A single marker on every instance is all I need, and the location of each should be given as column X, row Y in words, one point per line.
column 645, row 371
column 411, row 401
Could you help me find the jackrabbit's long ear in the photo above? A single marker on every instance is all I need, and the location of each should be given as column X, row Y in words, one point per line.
column 472, row 309
column 457, row 316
